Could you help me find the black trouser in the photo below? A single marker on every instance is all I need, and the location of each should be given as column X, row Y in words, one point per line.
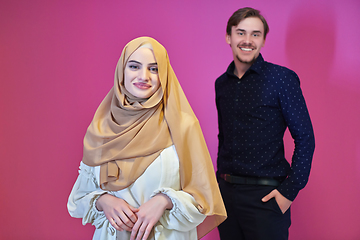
column 248, row 217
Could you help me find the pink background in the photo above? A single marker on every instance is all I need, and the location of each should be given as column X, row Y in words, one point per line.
column 57, row 60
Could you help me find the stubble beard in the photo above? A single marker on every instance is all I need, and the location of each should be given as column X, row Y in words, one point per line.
column 240, row 45
column 246, row 62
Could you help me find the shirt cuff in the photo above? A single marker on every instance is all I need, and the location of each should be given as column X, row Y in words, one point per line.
column 288, row 190
column 170, row 194
column 94, row 200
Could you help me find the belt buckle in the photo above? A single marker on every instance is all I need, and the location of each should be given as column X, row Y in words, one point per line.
column 227, row 178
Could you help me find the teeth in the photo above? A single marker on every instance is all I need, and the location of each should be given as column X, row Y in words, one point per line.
column 246, row 49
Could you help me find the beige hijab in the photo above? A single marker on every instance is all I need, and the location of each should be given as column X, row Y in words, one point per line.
column 127, row 134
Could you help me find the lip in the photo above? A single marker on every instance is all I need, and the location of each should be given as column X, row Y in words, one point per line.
column 246, row 48
column 142, row 85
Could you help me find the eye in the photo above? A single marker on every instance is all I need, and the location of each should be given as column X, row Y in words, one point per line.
column 133, row 67
column 154, row 69
column 241, row 33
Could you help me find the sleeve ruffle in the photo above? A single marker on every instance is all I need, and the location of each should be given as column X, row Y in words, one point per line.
column 82, row 200
column 184, row 215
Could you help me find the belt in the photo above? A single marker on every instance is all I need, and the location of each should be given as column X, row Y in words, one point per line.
column 250, row 180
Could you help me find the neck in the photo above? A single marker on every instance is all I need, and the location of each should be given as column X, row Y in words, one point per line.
column 240, row 68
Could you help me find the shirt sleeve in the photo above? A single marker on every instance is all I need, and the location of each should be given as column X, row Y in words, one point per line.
column 297, row 118
column 184, row 216
column 220, row 134
column 82, row 199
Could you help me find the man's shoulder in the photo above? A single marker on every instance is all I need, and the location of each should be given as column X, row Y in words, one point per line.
column 223, row 77
column 272, row 68
column 278, row 74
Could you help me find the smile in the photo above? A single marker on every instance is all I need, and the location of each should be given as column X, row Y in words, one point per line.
column 246, row 49
column 142, row 85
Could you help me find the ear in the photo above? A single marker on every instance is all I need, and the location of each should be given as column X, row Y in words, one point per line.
column 227, row 38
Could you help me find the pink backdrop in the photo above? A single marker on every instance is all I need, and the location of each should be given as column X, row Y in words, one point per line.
column 57, row 60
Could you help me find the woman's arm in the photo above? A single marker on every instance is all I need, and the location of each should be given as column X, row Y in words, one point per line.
column 84, row 194
column 185, row 214
column 83, row 200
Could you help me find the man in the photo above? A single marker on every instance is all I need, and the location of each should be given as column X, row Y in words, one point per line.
column 256, row 102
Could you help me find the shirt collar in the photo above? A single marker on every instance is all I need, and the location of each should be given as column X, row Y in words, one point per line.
column 255, row 67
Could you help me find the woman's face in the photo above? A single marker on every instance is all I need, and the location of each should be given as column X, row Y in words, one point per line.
column 141, row 77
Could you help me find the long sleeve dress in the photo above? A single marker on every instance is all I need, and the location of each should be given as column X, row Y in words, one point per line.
column 162, row 176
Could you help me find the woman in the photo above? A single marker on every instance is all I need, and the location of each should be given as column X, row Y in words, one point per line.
column 146, row 172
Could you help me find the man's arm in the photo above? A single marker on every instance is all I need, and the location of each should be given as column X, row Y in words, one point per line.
column 297, row 118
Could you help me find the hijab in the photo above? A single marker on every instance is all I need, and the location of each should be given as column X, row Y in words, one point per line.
column 128, row 133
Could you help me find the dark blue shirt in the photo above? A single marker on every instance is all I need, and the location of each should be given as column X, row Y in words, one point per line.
column 253, row 114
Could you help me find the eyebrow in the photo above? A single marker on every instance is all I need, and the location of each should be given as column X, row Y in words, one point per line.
column 134, row 61
column 243, row 30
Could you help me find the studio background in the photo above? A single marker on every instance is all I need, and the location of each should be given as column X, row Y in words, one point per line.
column 57, row 62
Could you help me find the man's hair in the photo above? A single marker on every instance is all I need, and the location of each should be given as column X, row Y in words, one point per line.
column 243, row 13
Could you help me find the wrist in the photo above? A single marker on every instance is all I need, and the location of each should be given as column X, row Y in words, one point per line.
column 98, row 202
column 167, row 201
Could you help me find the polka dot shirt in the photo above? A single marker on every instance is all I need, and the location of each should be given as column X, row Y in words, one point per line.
column 253, row 114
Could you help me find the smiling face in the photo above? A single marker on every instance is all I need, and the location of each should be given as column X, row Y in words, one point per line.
column 246, row 40
column 141, row 77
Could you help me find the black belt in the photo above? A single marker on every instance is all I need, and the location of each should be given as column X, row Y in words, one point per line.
column 250, row 180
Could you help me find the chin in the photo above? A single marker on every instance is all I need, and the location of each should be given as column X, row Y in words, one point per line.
column 248, row 60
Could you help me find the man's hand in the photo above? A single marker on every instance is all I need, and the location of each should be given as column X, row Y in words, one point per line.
column 282, row 201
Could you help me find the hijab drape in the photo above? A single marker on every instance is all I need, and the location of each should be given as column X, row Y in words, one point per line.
column 127, row 134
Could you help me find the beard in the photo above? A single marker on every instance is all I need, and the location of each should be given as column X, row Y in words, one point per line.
column 246, row 62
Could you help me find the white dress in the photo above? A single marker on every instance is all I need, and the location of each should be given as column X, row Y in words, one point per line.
column 162, row 175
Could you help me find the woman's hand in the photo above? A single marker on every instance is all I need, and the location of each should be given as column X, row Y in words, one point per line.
column 119, row 213
column 148, row 215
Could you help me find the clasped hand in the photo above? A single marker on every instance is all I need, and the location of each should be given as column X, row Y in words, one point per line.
column 138, row 221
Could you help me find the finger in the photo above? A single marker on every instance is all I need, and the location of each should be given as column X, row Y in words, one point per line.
column 135, row 230
column 134, row 209
column 128, row 218
column 129, row 213
column 114, row 224
column 268, row 197
column 141, row 232
column 123, row 223
column 147, row 232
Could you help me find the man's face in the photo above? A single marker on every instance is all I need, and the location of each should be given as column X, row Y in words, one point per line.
column 246, row 40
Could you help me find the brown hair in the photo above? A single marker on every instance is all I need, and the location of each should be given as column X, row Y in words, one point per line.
column 243, row 13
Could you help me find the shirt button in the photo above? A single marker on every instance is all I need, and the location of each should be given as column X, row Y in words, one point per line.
column 159, row 228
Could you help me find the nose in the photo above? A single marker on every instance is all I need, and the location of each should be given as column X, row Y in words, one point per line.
column 144, row 74
column 247, row 38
